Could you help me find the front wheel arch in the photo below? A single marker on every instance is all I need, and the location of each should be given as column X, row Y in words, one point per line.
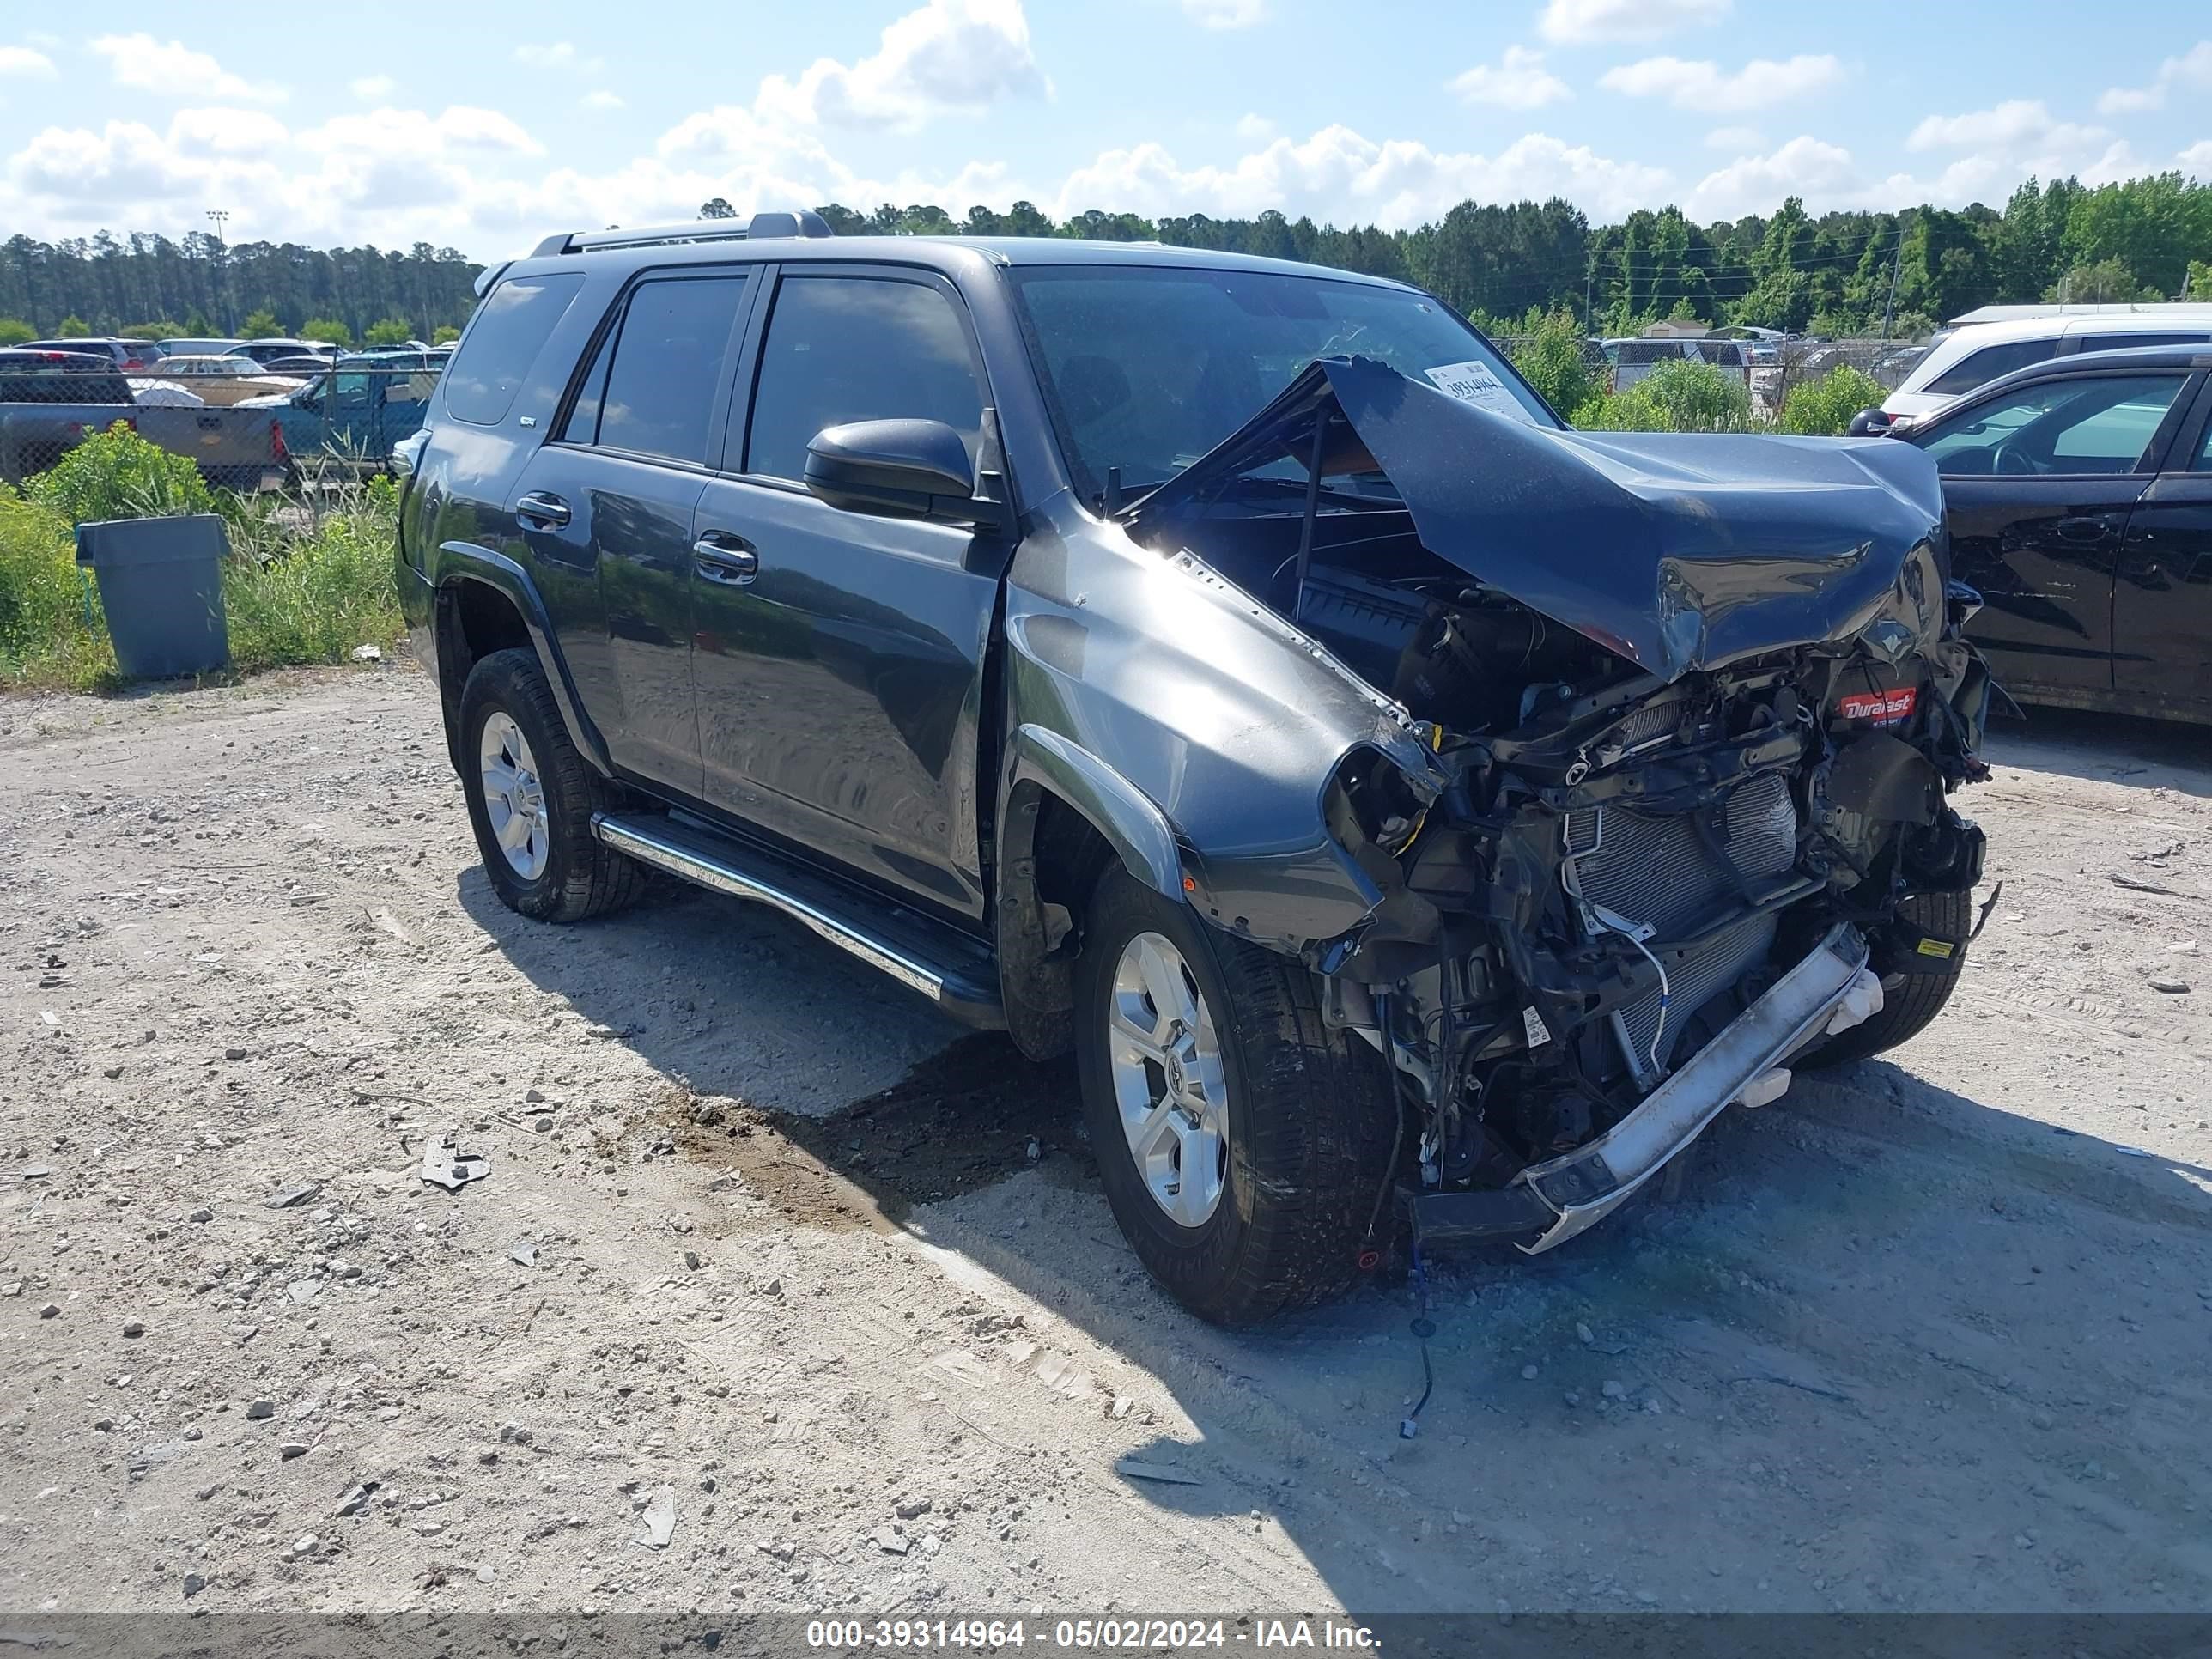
column 1051, row 856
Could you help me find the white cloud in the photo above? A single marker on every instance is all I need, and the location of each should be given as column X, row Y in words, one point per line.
column 2192, row 70
column 2197, row 160
column 602, row 99
column 2012, row 124
column 226, row 132
column 1254, row 129
column 1702, row 85
column 390, row 176
column 557, row 55
column 2130, row 101
column 1736, row 138
column 23, row 61
column 1518, row 80
column 2012, row 140
column 174, row 70
column 414, row 132
column 947, row 56
column 1578, row 22
column 1341, row 175
column 1226, row 14
column 1758, row 184
column 369, row 88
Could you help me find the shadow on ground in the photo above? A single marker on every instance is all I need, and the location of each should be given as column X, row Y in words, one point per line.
column 1893, row 1349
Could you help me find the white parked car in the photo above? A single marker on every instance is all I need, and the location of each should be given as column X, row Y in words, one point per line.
column 1973, row 356
column 225, row 380
column 163, row 394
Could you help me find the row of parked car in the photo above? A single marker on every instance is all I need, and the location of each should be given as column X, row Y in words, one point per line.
column 240, row 419
column 1760, row 355
column 224, row 371
column 280, row 353
column 255, row 405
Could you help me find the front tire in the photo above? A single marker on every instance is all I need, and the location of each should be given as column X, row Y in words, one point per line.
column 1910, row 1002
column 532, row 797
column 1243, row 1146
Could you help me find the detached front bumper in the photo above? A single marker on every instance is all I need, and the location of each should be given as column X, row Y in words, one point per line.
column 1588, row 1184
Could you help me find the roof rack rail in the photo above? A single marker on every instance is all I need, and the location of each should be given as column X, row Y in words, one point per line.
column 805, row 223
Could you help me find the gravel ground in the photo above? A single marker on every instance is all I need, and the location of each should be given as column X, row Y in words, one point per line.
column 780, row 1295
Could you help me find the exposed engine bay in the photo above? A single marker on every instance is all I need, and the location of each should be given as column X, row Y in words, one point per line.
column 1642, row 870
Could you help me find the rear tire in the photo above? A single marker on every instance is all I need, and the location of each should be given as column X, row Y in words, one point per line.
column 1307, row 1112
column 1910, row 1002
column 533, row 818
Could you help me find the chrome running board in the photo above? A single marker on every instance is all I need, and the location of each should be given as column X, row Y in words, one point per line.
column 952, row 971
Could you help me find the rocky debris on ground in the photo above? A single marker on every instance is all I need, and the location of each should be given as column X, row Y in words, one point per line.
column 470, row 1431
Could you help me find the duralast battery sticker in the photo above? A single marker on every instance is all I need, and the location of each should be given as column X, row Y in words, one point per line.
column 1883, row 707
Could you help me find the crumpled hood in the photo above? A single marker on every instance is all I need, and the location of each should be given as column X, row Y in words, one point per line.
column 1679, row 551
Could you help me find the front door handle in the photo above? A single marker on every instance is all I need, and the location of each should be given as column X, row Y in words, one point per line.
column 2088, row 526
column 726, row 559
column 539, row 510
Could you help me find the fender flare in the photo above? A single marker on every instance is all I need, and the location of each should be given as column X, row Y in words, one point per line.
column 1132, row 826
column 460, row 562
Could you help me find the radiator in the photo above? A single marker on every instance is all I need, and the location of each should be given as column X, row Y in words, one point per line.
column 1656, row 868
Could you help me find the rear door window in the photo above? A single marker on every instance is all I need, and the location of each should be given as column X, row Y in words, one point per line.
column 503, row 342
column 2136, row 342
column 1979, row 368
column 667, row 367
column 844, row 349
column 582, row 426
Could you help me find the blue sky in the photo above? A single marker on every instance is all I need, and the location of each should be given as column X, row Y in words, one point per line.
column 484, row 126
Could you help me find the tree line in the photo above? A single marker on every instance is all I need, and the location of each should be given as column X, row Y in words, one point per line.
column 1839, row 273
column 197, row 285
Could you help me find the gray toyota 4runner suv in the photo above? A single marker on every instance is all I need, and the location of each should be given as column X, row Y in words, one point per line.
column 1415, row 815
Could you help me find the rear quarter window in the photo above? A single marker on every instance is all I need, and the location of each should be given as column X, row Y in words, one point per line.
column 503, row 342
column 1980, row 368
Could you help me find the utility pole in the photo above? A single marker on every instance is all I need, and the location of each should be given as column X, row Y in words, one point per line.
column 217, row 216
column 1896, row 262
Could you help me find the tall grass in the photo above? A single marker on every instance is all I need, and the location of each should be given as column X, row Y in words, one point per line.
column 1676, row 397
column 51, row 633
column 311, row 593
column 309, row 577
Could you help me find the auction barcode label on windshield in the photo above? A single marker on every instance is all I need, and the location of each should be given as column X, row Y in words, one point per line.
column 1475, row 383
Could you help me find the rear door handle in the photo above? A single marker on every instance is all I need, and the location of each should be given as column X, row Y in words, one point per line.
column 539, row 510
column 719, row 557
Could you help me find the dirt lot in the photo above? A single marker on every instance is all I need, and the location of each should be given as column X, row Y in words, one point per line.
column 762, row 1240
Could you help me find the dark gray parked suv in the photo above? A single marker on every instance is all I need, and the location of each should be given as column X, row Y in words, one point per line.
column 1412, row 814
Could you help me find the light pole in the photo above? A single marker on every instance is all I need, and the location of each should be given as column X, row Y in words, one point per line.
column 216, row 217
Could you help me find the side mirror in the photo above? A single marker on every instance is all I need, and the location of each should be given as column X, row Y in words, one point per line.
column 1868, row 423
column 898, row 470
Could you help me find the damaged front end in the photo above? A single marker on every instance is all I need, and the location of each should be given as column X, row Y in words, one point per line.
column 1692, row 710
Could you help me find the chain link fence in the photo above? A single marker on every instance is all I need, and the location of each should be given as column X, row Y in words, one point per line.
column 1772, row 373
column 242, row 422
column 1885, row 362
